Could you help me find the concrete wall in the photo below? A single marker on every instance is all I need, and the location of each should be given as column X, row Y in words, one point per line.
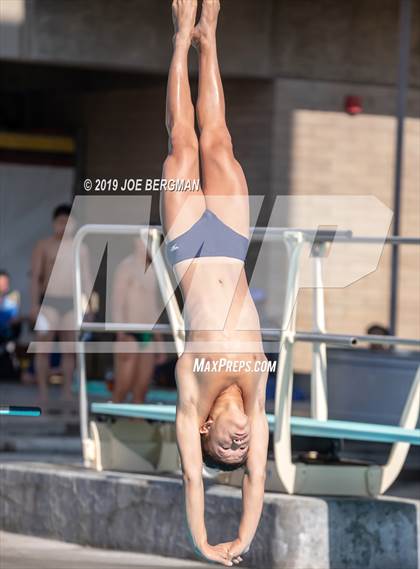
column 317, row 149
column 353, row 41
column 329, row 40
column 146, row 513
column 126, row 137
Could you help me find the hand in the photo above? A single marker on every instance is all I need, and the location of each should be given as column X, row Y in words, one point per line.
column 235, row 548
column 215, row 553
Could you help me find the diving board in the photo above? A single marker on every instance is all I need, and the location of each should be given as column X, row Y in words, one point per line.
column 19, row 411
column 135, row 444
column 300, row 426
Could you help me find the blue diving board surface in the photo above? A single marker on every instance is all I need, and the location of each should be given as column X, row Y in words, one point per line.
column 98, row 388
column 17, row 411
column 300, row 426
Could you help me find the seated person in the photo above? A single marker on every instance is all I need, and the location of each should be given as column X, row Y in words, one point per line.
column 379, row 330
column 9, row 309
column 9, row 325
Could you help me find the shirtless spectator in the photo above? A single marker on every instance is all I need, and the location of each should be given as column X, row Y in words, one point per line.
column 135, row 300
column 52, row 308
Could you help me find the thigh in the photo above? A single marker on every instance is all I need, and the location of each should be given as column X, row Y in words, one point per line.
column 48, row 320
column 68, row 323
column 181, row 209
column 144, row 373
column 42, row 338
column 67, row 345
column 125, row 362
column 224, row 183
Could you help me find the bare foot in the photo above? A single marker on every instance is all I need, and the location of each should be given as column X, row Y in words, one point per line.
column 183, row 15
column 205, row 31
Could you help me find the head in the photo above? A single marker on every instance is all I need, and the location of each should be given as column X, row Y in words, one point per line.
column 378, row 330
column 225, row 435
column 4, row 282
column 60, row 217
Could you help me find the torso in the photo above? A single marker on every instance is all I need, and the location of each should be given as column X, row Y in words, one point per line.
column 59, row 266
column 201, row 389
column 221, row 322
column 139, row 287
column 217, row 298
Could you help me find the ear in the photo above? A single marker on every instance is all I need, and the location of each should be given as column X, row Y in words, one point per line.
column 205, row 428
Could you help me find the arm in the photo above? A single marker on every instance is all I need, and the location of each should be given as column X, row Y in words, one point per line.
column 36, row 277
column 189, row 446
column 91, row 300
column 254, row 479
column 253, row 483
column 118, row 294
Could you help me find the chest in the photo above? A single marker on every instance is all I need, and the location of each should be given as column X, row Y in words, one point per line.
column 56, row 253
column 211, row 382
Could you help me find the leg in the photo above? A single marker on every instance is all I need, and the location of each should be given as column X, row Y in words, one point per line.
column 67, row 367
column 182, row 161
column 68, row 360
column 50, row 318
column 42, row 368
column 144, row 375
column 223, row 178
column 125, row 369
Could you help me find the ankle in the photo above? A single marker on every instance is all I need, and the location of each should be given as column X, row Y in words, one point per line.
column 204, row 39
column 182, row 39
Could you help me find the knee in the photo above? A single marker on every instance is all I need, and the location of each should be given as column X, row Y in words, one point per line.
column 183, row 143
column 67, row 359
column 216, row 144
column 42, row 358
column 127, row 358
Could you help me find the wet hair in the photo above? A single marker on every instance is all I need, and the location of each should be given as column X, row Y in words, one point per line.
column 212, row 462
column 62, row 209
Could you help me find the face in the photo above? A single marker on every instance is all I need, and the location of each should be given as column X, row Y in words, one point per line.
column 228, row 437
column 4, row 284
column 60, row 223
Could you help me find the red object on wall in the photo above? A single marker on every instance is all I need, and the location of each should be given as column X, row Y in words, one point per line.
column 353, row 105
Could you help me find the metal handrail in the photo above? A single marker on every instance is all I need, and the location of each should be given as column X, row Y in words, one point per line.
column 268, row 333
column 354, row 339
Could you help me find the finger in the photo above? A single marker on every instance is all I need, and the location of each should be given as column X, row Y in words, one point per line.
column 223, row 560
column 223, row 551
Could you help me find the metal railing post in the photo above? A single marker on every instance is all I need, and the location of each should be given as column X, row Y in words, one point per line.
column 319, row 405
